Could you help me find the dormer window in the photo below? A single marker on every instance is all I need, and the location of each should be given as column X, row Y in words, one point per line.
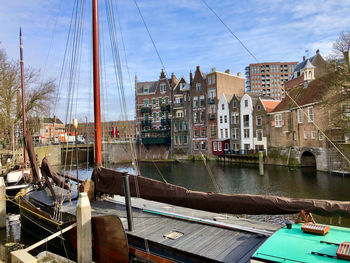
column 145, row 90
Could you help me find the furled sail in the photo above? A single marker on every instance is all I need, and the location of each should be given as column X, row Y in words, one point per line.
column 111, row 182
column 28, row 142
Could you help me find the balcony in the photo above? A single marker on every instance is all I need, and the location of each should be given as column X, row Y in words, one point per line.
column 211, row 101
column 165, row 108
column 165, row 122
column 146, row 123
column 211, row 116
column 178, row 104
column 145, row 110
column 156, row 137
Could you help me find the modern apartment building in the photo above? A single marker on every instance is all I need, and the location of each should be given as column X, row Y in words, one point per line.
column 267, row 79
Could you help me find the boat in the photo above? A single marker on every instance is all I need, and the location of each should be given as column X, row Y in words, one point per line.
column 164, row 236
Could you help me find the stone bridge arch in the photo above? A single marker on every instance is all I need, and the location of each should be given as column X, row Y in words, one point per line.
column 308, row 159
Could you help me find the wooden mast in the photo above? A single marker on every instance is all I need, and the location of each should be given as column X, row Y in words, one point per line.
column 23, row 95
column 96, row 71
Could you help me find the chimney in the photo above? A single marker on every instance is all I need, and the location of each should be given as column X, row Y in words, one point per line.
column 173, row 79
column 227, row 71
column 303, row 58
column 239, row 74
column 317, row 51
column 191, row 78
column 198, row 68
column 213, row 69
column 54, row 119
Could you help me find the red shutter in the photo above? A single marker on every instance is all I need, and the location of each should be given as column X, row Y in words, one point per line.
column 272, row 123
column 282, row 122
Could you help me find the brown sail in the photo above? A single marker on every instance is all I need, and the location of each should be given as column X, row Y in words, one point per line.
column 111, row 182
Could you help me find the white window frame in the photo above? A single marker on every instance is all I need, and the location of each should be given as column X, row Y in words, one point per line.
column 162, row 87
column 300, row 115
column 305, row 135
column 246, row 133
column 215, row 146
column 320, row 136
column 258, row 118
column 310, row 114
column 219, row 146
column 313, row 135
column 278, row 120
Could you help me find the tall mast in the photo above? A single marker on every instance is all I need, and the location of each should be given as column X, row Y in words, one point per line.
column 23, row 94
column 96, row 68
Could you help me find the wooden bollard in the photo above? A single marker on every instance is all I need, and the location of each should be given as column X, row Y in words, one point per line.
column 2, row 203
column 84, row 239
column 261, row 162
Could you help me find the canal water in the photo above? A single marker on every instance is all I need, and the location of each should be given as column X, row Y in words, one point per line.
column 225, row 178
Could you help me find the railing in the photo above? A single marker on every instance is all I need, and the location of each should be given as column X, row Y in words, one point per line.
column 146, row 123
column 165, row 122
column 178, row 104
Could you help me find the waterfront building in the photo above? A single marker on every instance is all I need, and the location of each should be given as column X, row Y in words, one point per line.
column 219, row 83
column 246, row 110
column 181, row 112
column 153, row 110
column 198, row 124
column 268, row 78
column 50, row 131
column 235, row 124
column 264, row 105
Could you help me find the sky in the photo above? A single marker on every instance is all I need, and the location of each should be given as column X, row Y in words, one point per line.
column 185, row 32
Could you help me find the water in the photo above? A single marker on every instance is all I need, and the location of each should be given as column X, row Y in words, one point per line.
column 229, row 178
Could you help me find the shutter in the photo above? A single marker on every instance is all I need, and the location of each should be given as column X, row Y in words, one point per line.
column 282, row 122
column 272, row 123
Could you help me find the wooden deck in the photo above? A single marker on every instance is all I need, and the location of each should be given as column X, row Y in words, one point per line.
column 206, row 236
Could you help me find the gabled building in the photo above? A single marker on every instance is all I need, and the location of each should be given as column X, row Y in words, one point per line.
column 264, row 105
column 219, row 83
column 181, row 112
column 50, row 130
column 247, row 128
column 198, row 123
column 223, row 122
column 235, row 126
column 153, row 110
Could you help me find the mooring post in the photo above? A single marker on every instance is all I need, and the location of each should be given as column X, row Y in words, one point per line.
column 128, row 201
column 261, row 162
column 84, row 239
column 2, row 203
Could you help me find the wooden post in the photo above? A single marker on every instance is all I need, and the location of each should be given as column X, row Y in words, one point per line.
column 84, row 239
column 2, row 203
column 261, row 162
column 128, row 201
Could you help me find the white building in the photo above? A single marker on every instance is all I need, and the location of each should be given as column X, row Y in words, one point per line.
column 223, row 119
column 247, row 137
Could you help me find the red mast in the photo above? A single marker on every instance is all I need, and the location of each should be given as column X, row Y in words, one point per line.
column 96, row 68
column 23, row 94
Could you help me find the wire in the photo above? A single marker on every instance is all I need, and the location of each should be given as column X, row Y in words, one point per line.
column 233, row 34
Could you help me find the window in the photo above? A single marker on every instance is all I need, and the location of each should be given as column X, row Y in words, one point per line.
column 162, row 87
column 235, row 133
column 198, row 87
column 145, row 102
column 185, row 139
column 202, row 101
column 195, row 117
column 202, row 116
column 313, row 135
column 226, row 133
column 154, row 115
column 203, row 145
column 305, row 135
column 245, row 103
column 160, row 114
column 222, row 106
column 175, row 140
column 220, row 119
column 259, row 135
column 294, row 136
column 209, row 80
column 300, row 115
column 212, row 109
column 235, row 118
column 221, row 133
column 246, row 133
column 278, row 120
column 246, row 120
column 145, row 90
column 160, row 101
column 203, row 132
column 154, row 101
column 213, row 131
column 196, row 132
column 320, row 136
column 166, row 99
column 213, row 79
column 180, row 140
column 225, row 118
column 258, row 107
column 195, row 102
column 215, row 146
column 219, row 146
column 234, row 104
column 310, row 114
column 258, row 120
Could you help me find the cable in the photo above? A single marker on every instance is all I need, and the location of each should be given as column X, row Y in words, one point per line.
column 233, row 34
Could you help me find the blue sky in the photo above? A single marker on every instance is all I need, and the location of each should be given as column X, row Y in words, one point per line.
column 186, row 33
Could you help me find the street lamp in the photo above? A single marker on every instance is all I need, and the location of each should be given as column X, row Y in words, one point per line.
column 75, row 124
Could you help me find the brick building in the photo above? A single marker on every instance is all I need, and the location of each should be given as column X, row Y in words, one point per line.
column 153, row 110
column 50, row 131
column 268, row 78
column 235, row 123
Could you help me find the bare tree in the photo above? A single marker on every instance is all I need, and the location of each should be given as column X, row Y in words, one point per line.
column 39, row 95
